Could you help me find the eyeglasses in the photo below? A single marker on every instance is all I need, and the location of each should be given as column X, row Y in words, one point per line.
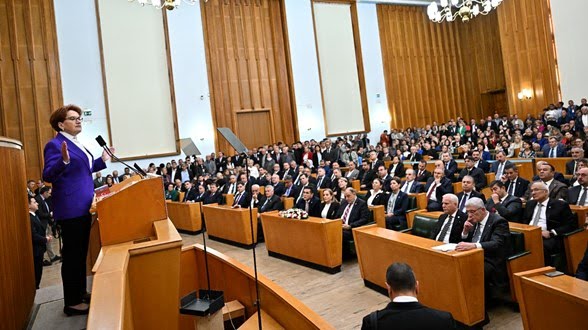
column 72, row 118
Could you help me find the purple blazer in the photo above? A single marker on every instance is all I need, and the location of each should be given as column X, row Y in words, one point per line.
column 73, row 186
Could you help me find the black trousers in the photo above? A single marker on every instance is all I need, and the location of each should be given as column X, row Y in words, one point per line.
column 38, row 262
column 75, row 235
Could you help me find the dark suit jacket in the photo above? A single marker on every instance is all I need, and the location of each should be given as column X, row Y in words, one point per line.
column 200, row 198
column 44, row 213
column 279, row 188
column 324, row 183
column 574, row 194
column 359, row 212
column 495, row 242
column 274, row 204
column 411, row 315
column 494, row 167
column 456, row 229
column 560, row 152
column 213, row 198
column 190, row 195
column 445, row 188
column 557, row 190
column 400, row 207
column 38, row 236
column 582, row 272
column 424, row 177
column 314, row 207
column 477, row 174
column 557, row 176
column 416, row 187
column 332, row 213
column 449, row 172
column 293, row 191
column 570, row 167
column 379, row 199
column 559, row 216
column 521, row 186
column 243, row 200
column 472, row 194
column 99, row 182
column 511, row 208
column 179, row 174
column 399, row 172
column 484, row 166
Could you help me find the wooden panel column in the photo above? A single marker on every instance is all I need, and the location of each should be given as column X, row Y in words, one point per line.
column 528, row 49
column 249, row 67
column 17, row 288
column 30, row 85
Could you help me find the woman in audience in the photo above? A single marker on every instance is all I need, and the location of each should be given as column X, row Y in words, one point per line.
column 171, row 194
column 396, row 168
column 230, row 165
column 376, row 195
column 526, row 151
column 539, row 139
column 317, row 156
column 109, row 180
column 342, row 184
column 329, row 205
column 306, row 155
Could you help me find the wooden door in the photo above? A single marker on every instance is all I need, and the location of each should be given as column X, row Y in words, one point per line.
column 254, row 127
column 495, row 102
column 249, row 69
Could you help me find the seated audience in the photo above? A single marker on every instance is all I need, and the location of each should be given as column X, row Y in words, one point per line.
column 353, row 212
column 405, row 312
column 322, row 180
column 553, row 216
column 503, row 204
column 309, row 203
column 515, row 185
column 352, row 172
column 436, row 187
column 396, row 203
column 201, row 193
column 498, row 166
column 191, row 192
column 582, row 272
column 578, row 195
column 213, row 195
column 396, row 168
column 171, row 194
column 557, row 190
column 476, row 173
column 554, row 149
column 329, row 205
column 291, row 190
column 241, row 198
column 449, row 227
column 467, row 184
column 411, row 186
column 422, row 175
column 376, row 195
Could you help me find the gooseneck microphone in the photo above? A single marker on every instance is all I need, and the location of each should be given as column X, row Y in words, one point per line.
column 102, row 143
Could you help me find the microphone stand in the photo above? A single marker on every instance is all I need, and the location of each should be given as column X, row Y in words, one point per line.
column 257, row 301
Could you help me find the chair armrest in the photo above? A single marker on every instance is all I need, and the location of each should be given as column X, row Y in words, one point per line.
column 518, row 255
column 579, row 230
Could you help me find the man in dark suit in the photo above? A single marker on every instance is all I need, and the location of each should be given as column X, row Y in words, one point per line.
column 185, row 174
column 291, row 188
column 309, row 203
column 304, row 182
column 45, row 215
column 582, row 272
column 553, row 216
column 449, row 227
column 515, row 185
column 476, row 173
column 572, row 165
column 405, row 312
column 480, row 163
column 500, row 164
column 557, row 190
column 435, row 188
column 270, row 201
column 99, row 181
column 414, row 156
column 396, row 205
column 322, row 181
column 489, row 232
column 503, row 204
column 422, row 175
column 578, row 195
column 214, row 195
column 279, row 187
column 241, row 197
column 191, row 192
column 467, row 184
column 231, row 186
column 554, row 149
column 411, row 186
column 353, row 212
column 39, row 240
column 449, row 165
column 556, row 175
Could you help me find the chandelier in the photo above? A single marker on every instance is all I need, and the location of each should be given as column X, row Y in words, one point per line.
column 464, row 9
column 165, row 4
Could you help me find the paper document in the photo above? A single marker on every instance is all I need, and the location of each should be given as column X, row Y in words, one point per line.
column 445, row 247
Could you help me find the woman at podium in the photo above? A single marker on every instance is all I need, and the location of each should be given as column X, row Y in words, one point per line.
column 69, row 167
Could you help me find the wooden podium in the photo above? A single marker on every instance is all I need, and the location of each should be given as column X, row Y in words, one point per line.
column 136, row 275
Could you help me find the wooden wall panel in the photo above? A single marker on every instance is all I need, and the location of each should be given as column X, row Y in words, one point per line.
column 248, row 66
column 529, row 54
column 30, row 85
column 436, row 72
column 17, row 288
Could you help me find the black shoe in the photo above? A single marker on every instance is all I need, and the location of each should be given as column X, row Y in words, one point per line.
column 86, row 297
column 47, row 263
column 72, row 311
column 56, row 258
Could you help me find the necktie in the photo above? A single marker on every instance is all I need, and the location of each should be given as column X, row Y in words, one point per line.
column 320, row 182
column 447, row 165
column 346, row 213
column 237, row 199
column 288, row 191
column 463, row 201
column 405, row 188
column 432, row 190
column 477, row 233
column 575, row 166
column 499, row 171
column 445, row 229
column 582, row 200
column 420, row 174
column 265, row 203
column 306, row 207
column 511, row 188
column 537, row 215
column 552, row 153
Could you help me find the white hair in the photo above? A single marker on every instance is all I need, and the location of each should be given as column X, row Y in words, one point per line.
column 452, row 198
column 475, row 201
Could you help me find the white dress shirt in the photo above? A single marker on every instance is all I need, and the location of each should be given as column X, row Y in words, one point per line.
column 448, row 233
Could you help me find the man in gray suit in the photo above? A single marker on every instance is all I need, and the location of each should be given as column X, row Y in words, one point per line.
column 353, row 172
column 503, row 204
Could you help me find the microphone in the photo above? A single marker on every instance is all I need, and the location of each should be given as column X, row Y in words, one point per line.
column 138, row 168
column 102, row 143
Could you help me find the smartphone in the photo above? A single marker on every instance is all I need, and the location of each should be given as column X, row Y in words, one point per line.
column 554, row 274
